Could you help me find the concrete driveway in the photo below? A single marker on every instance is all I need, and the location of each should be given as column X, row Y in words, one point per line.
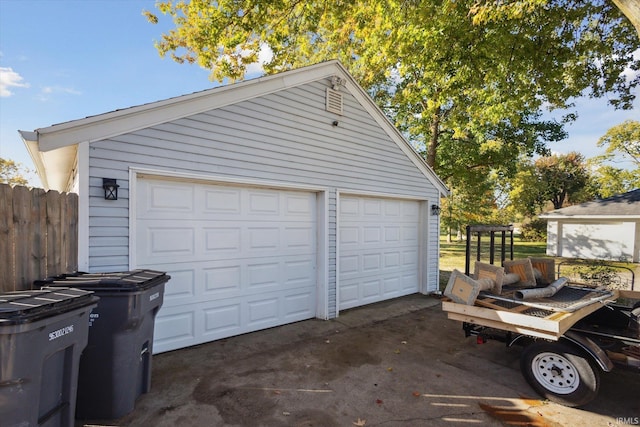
column 396, row 363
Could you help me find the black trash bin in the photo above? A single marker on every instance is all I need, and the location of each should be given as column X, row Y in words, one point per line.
column 42, row 333
column 115, row 368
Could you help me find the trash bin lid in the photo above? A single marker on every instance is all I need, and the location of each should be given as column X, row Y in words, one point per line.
column 126, row 281
column 31, row 305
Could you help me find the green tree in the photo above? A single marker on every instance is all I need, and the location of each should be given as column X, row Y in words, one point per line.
column 558, row 179
column 12, row 172
column 623, row 139
column 466, row 80
column 611, row 181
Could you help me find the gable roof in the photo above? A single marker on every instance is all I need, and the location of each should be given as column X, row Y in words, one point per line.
column 53, row 149
column 622, row 205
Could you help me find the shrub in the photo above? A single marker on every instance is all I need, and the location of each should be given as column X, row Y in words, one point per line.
column 534, row 231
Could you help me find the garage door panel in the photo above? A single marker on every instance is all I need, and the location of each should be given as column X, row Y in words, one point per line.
column 349, row 294
column 299, row 238
column 409, row 281
column 221, row 201
column 241, row 258
column 164, row 199
column 392, row 287
column 379, row 247
column 410, row 234
column 263, row 312
column 392, row 259
column 222, row 239
column 410, row 258
column 298, row 305
column 371, row 289
column 392, row 234
column 168, row 242
column 174, row 329
column 225, row 279
column 181, row 285
column 371, row 263
column 222, row 320
column 372, row 235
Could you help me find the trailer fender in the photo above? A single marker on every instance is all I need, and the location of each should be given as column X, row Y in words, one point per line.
column 591, row 348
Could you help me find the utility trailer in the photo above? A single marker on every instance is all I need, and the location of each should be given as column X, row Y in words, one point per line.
column 569, row 338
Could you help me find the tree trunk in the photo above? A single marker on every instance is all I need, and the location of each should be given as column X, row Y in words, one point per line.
column 631, row 9
column 433, row 143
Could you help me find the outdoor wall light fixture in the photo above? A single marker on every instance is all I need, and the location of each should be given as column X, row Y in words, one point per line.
column 435, row 210
column 110, row 188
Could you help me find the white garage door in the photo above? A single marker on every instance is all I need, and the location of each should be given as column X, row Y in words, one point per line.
column 379, row 249
column 241, row 259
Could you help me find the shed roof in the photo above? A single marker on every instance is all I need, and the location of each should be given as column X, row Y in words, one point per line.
column 622, row 205
column 53, row 149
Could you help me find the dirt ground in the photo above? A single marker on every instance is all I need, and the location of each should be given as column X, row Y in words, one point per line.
column 396, row 363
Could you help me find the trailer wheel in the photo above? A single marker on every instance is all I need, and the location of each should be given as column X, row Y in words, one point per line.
column 560, row 373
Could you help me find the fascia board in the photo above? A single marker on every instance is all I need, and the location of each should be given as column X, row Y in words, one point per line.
column 30, row 140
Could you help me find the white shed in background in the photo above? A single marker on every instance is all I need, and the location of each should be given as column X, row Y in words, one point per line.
column 274, row 200
column 607, row 229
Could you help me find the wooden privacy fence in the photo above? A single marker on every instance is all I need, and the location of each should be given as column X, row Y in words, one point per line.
column 38, row 235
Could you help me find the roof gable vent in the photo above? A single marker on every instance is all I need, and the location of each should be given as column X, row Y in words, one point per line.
column 334, row 101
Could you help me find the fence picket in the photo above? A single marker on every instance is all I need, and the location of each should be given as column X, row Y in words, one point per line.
column 38, row 235
column 7, row 238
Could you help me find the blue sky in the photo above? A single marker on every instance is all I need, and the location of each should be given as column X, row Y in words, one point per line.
column 65, row 60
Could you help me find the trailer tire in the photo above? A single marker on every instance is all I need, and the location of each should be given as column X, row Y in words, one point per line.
column 560, row 372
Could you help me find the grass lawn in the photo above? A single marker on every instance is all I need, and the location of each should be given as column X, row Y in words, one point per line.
column 452, row 254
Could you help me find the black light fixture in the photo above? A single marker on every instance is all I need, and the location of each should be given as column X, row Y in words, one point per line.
column 110, row 188
column 435, row 210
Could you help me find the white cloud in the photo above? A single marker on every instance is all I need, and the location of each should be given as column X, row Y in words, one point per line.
column 46, row 91
column 9, row 79
column 264, row 55
column 628, row 72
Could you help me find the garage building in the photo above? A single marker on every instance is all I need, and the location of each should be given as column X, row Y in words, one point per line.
column 604, row 229
column 273, row 200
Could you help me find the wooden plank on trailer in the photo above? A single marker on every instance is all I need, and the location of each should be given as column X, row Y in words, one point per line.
column 504, row 317
column 623, row 293
column 490, row 303
column 556, row 323
column 503, row 326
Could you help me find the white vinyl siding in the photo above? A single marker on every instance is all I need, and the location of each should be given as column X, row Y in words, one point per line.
column 284, row 137
column 607, row 240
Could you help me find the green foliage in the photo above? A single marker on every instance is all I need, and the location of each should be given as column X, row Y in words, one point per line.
column 466, row 80
column 534, row 231
column 611, row 181
column 558, row 179
column 12, row 172
column 623, row 139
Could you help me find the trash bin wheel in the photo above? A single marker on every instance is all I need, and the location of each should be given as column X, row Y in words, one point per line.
column 560, row 373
